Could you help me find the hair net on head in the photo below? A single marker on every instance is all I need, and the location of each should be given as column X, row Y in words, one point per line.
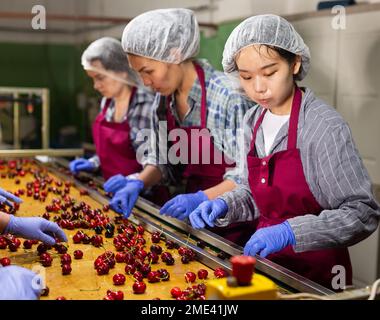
column 268, row 30
column 111, row 55
column 167, row 35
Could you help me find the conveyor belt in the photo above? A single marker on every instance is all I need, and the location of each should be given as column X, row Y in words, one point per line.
column 75, row 286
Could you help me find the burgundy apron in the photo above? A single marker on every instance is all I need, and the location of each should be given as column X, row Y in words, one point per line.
column 280, row 190
column 114, row 146
column 204, row 176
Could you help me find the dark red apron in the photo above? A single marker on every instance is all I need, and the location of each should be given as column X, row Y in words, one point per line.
column 280, row 191
column 204, row 176
column 114, row 146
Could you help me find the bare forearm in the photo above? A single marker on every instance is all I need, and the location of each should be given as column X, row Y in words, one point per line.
column 219, row 189
column 4, row 220
column 150, row 175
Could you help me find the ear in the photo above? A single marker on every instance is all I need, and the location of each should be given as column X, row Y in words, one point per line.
column 297, row 65
column 176, row 55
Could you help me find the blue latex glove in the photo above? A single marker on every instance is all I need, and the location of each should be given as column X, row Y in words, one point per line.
column 115, row 183
column 6, row 197
column 125, row 199
column 270, row 240
column 35, row 228
column 81, row 165
column 18, row 283
column 207, row 212
column 182, row 205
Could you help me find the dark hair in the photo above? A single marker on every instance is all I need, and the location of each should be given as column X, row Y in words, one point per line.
column 289, row 57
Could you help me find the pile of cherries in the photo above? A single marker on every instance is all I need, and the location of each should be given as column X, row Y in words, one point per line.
column 195, row 292
column 129, row 242
column 11, row 242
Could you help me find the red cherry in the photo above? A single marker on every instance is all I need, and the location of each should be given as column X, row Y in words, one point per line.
column 5, row 261
column 3, row 243
column 86, row 239
column 190, row 276
column 220, row 273
column 156, row 249
column 164, row 274
column 42, row 248
column 45, row 292
column 130, row 269
column 156, row 237
column 182, row 251
column 118, row 279
column 120, row 257
column 153, row 276
column 202, row 274
column 103, row 268
column 77, row 238
column 119, row 246
column 27, row 244
column 83, row 192
column 145, row 269
column 175, row 292
column 202, row 288
column 66, row 258
column 153, row 257
column 60, row 298
column 139, row 287
column 185, row 259
column 115, row 295
column 66, row 269
column 138, row 276
column 140, row 229
column 61, row 248
column 46, row 259
column 78, row 254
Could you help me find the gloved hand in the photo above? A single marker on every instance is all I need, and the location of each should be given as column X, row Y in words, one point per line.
column 207, row 212
column 182, row 205
column 7, row 197
column 115, row 183
column 125, row 199
column 270, row 240
column 18, row 283
column 35, row 228
column 81, row 165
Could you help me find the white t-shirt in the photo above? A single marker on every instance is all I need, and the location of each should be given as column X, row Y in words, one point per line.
column 271, row 125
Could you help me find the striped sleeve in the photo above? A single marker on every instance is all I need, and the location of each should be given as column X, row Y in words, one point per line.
column 241, row 206
column 345, row 186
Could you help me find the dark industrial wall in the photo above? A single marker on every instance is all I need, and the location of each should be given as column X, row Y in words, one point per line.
column 57, row 67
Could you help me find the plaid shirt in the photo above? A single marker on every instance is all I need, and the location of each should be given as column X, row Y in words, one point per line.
column 226, row 108
column 138, row 116
column 334, row 173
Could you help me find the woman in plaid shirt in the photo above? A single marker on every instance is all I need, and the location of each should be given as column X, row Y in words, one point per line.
column 125, row 109
column 192, row 97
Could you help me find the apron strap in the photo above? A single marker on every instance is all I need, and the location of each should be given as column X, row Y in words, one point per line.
column 202, row 81
column 293, row 121
column 106, row 105
column 256, row 128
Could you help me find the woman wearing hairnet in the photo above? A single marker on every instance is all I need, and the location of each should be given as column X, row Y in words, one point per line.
column 125, row 109
column 192, row 96
column 302, row 176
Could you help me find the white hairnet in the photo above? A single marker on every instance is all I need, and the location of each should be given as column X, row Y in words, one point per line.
column 168, row 35
column 111, row 55
column 268, row 30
